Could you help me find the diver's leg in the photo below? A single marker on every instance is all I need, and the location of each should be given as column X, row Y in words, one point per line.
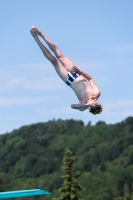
column 68, row 64
column 62, row 72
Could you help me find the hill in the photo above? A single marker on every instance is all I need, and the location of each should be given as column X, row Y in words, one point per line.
column 31, row 157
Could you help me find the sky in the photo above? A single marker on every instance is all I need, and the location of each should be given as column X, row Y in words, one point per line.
column 96, row 35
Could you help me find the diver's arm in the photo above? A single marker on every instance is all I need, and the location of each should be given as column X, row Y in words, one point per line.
column 81, row 107
column 92, row 82
column 88, row 77
column 77, row 70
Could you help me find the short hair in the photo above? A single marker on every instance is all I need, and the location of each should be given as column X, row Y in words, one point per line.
column 97, row 109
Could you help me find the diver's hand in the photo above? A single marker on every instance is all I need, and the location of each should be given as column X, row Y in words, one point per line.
column 76, row 70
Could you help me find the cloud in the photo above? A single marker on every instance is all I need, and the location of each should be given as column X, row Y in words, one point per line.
column 46, row 83
column 39, row 76
column 128, row 112
column 43, row 84
column 28, row 67
column 118, row 104
column 103, row 79
column 91, row 66
column 122, row 48
column 118, row 109
column 10, row 118
column 24, row 101
column 59, row 110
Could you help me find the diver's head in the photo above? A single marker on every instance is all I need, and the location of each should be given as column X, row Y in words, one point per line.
column 96, row 109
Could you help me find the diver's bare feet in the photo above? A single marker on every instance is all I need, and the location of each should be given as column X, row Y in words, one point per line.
column 35, row 30
column 34, row 34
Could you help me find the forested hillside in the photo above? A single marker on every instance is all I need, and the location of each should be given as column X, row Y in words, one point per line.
column 31, row 157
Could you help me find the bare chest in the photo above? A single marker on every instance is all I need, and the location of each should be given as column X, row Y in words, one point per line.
column 82, row 89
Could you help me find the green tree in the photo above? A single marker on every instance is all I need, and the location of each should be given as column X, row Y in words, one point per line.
column 126, row 197
column 70, row 189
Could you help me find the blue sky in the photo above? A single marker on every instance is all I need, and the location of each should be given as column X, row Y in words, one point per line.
column 96, row 35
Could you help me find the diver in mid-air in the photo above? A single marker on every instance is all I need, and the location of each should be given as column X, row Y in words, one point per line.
column 83, row 85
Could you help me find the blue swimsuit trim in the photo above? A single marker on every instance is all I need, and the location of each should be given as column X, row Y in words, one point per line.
column 71, row 77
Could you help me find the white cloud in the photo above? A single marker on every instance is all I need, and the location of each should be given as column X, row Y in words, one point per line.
column 42, row 84
column 128, row 112
column 120, row 103
column 32, row 67
column 103, row 79
column 21, row 101
column 27, row 71
column 59, row 110
column 40, row 76
column 10, row 118
column 118, row 110
column 122, row 48
column 46, row 83
column 91, row 66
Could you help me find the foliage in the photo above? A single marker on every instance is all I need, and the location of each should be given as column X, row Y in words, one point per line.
column 31, row 157
column 71, row 188
column 126, row 197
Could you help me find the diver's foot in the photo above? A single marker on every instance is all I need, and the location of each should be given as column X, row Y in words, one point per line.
column 35, row 30
column 34, row 34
